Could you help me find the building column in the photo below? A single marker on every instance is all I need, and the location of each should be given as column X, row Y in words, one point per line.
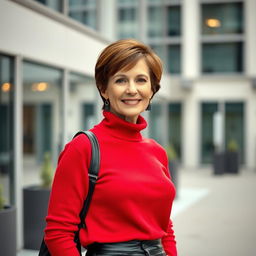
column 250, row 71
column 190, row 39
column 165, row 124
column 18, row 148
column 190, row 71
column 107, row 19
column 143, row 20
column 65, row 104
column 191, row 133
column 250, row 38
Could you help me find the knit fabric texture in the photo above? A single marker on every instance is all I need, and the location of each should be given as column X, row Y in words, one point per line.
column 133, row 195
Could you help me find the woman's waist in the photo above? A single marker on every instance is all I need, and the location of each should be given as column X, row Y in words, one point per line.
column 132, row 247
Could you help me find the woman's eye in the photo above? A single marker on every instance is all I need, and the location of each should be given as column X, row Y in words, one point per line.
column 141, row 80
column 120, row 81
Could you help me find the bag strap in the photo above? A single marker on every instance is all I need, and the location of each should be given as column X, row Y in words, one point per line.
column 93, row 173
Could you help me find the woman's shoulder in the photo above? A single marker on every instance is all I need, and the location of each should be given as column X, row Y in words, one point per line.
column 80, row 144
column 157, row 149
column 154, row 145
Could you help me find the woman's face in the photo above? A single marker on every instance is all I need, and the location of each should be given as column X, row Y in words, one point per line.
column 129, row 92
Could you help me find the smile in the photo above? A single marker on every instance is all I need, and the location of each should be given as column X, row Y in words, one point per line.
column 131, row 101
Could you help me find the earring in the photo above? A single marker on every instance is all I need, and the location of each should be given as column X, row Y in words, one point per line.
column 148, row 107
column 106, row 105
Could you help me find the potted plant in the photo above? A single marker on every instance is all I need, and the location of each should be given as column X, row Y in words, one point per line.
column 36, row 205
column 232, row 157
column 173, row 165
column 8, row 227
column 219, row 162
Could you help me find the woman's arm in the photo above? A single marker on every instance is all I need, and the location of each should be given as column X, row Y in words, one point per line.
column 69, row 190
column 169, row 242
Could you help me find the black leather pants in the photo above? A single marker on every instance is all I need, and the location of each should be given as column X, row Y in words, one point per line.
column 134, row 248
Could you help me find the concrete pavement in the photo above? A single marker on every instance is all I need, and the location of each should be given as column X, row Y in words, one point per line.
column 223, row 222
column 213, row 215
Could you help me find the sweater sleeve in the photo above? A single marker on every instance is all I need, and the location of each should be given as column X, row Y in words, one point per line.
column 69, row 190
column 168, row 241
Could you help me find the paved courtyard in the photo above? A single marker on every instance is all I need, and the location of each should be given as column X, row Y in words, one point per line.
column 212, row 215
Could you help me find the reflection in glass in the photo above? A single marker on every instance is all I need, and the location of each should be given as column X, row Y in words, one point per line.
column 84, row 11
column 174, row 21
column 156, row 21
column 42, row 114
column 222, row 57
column 90, row 3
column 234, row 126
column 53, row 4
column 222, row 18
column 89, row 118
column 160, row 51
column 175, row 127
column 81, row 109
column 207, row 146
column 127, row 1
column 155, row 116
column 174, row 59
column 127, row 22
column 6, row 127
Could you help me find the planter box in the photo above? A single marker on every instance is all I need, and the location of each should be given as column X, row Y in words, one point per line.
column 34, row 213
column 232, row 162
column 219, row 163
column 8, row 231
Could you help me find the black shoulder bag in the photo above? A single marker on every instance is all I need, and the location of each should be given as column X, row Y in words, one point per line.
column 93, row 175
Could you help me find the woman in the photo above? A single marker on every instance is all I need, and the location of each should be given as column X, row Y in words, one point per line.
column 130, row 209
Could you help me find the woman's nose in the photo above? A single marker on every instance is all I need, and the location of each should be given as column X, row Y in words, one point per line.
column 131, row 88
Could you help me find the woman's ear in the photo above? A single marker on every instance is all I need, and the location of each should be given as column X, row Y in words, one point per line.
column 104, row 94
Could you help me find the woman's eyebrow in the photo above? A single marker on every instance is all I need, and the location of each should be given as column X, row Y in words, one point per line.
column 119, row 75
column 123, row 75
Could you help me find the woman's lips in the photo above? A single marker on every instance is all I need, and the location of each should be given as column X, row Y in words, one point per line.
column 131, row 101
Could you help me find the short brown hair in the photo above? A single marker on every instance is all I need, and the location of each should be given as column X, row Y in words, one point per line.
column 123, row 55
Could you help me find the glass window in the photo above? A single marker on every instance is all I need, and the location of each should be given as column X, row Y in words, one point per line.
column 174, row 59
column 160, row 51
column 127, row 22
column 84, row 11
column 222, row 18
column 90, row 3
column 86, row 17
column 53, row 4
column 175, row 127
column 155, row 116
column 42, row 115
column 155, row 1
column 174, row 21
column 81, row 107
column 234, row 126
column 6, row 127
column 156, row 22
column 222, row 57
column 127, row 1
column 207, row 146
column 89, row 118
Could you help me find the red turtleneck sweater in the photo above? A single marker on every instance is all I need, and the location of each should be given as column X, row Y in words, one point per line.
column 132, row 198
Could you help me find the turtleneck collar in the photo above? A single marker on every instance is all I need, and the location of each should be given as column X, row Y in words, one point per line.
column 119, row 128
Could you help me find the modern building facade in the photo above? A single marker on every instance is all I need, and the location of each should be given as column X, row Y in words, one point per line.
column 48, row 50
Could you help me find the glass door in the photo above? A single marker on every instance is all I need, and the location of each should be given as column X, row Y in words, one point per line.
column 42, row 117
column 207, row 146
column 234, row 126
column 6, row 127
column 175, row 127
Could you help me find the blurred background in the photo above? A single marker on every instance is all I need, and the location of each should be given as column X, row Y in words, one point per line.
column 204, row 114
